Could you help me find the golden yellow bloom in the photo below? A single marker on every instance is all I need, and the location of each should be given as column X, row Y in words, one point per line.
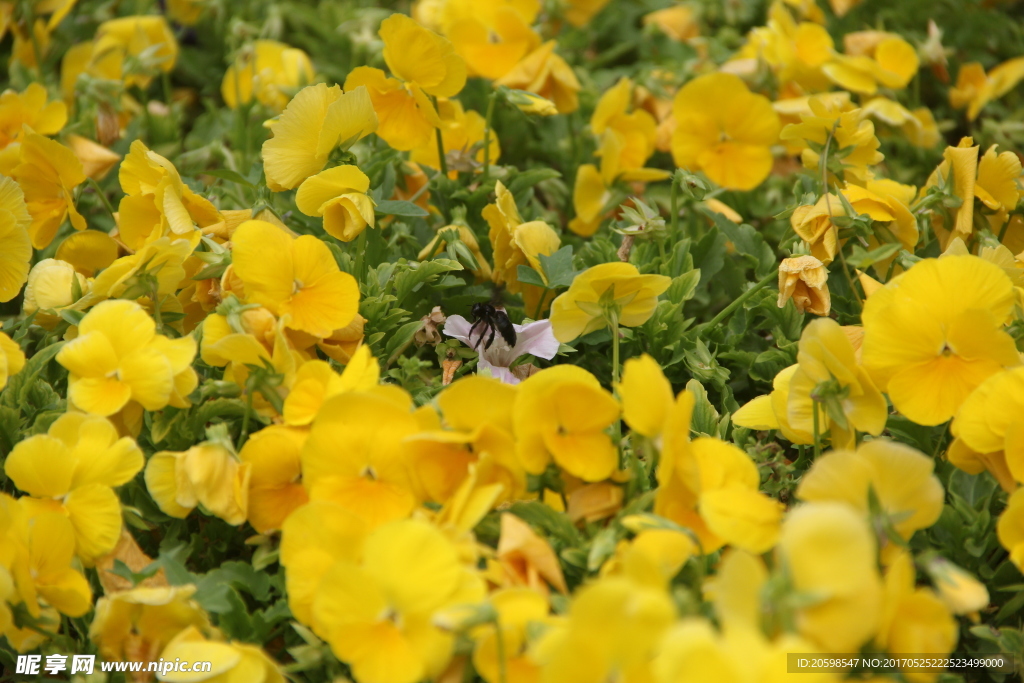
column 772, row 410
column 517, row 609
column 97, row 160
column 298, row 278
column 627, row 138
column 275, row 486
column 580, row 12
column 517, row 243
column 889, row 62
column 829, row 551
column 545, row 73
column 527, row 559
column 73, row 469
column 29, row 108
column 630, row 296
column 794, row 51
column 138, row 623
column 678, row 22
column 118, row 357
column 961, row 592
column 377, row 614
column 646, row 396
column 269, row 72
column 560, row 414
column 492, row 35
column 230, row 662
column 16, row 256
column 959, row 170
column 975, row 89
column 146, row 39
column 1010, row 528
column 462, row 134
column 206, row 473
column 12, row 359
column 318, row 119
column 731, row 142
column 853, row 138
column 185, row 12
column 48, row 174
column 339, row 195
column 988, row 426
column 88, row 252
column 935, row 333
column 589, row 196
column 804, row 279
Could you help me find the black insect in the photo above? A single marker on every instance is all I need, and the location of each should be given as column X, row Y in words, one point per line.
column 489, row 322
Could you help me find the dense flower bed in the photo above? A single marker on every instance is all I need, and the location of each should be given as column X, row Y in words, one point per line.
column 575, row 341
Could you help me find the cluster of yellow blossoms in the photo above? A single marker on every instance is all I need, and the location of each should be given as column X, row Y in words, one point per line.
column 214, row 367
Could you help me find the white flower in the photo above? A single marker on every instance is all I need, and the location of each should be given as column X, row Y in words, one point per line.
column 534, row 338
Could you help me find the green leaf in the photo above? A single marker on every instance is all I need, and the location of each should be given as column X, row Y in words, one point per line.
column 72, row 317
column 558, row 268
column 683, row 287
column 16, row 394
column 556, row 524
column 416, row 273
column 400, row 339
column 10, row 428
column 748, row 242
column 400, row 207
column 705, row 416
column 528, row 276
column 230, row 176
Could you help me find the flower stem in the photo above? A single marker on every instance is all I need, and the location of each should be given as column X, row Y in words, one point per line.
column 487, row 134
column 103, row 198
column 442, row 162
column 675, row 207
column 817, row 434
column 614, row 324
column 360, row 252
column 828, row 205
column 502, row 655
column 725, row 312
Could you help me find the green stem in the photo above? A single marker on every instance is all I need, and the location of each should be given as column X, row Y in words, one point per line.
column 828, row 204
column 502, row 655
column 817, row 435
column 103, row 198
column 442, row 162
column 725, row 312
column 675, row 207
column 614, row 324
column 487, row 134
column 360, row 252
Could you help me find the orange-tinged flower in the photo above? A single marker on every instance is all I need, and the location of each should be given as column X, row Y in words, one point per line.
column 804, row 279
column 318, row 119
column 975, row 89
column 275, row 486
column 315, row 382
column 97, row 160
column 269, row 72
column 339, row 195
column 29, row 108
column 730, row 142
column 298, row 278
column 526, row 558
column 16, row 256
column 935, row 333
column 48, row 174
column 959, row 171
column 545, row 73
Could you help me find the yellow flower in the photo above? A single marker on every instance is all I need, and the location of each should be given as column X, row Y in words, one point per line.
column 423, row 64
column 377, row 614
column 997, row 184
column 580, row 12
column 315, row 382
column 630, row 296
column 987, row 425
column 462, row 134
column 853, row 145
column 50, row 287
column 118, row 357
column 493, row 35
column 829, row 552
column 268, row 71
column 468, row 238
column 140, row 622
column 804, row 279
column 206, row 474
column 772, row 410
column 230, row 662
column 678, row 22
column 627, row 139
column 147, row 42
column 1010, row 528
column 958, row 171
column 527, row 559
column 795, row 52
column 16, row 256
column 545, row 73
column 157, row 203
column 975, row 89
column 339, row 195
column 48, row 174
column 163, row 259
column 933, row 334
column 97, row 160
column 12, row 359
column 646, row 396
column 29, row 108
column 828, row 374
column 730, row 142
column 889, row 62
column 275, row 487
column 958, row 589
column 185, row 12
column 901, row 479
column 89, row 251
column 914, row 618
column 73, row 469
column 318, row 119
column 560, row 414
column 355, row 456
column 589, row 196
column 517, row 609
column 517, row 244
column 298, row 278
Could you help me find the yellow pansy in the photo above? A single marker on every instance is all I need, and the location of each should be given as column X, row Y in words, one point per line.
column 517, row 243
column 118, row 357
column 315, row 382
column 268, row 71
column 678, row 22
column 97, row 160
column 50, row 287
column 15, row 221
column 73, row 469
column 339, row 195
column 959, row 171
column 890, row 63
column 900, row 477
column 163, row 259
column 730, row 142
column 12, row 359
column 297, row 278
column 377, row 616
column 771, row 411
column 492, row 36
column 935, row 333
column 829, row 552
column 143, row 620
column 275, row 486
column 525, row 559
column 804, row 279
column 589, row 196
column 830, row 380
column 987, row 424
column 632, row 298
column 854, row 144
column 627, row 137
column 646, row 395
column 318, row 119
column 206, row 474
column 354, row 455
column 462, row 134
column 147, row 39
column 580, row 12
column 89, row 251
column 48, row 173
column 229, row 662
column 975, row 89
column 1010, row 528
column 517, row 609
column 423, row 64
column 545, row 73
column 30, row 109
column 794, row 51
